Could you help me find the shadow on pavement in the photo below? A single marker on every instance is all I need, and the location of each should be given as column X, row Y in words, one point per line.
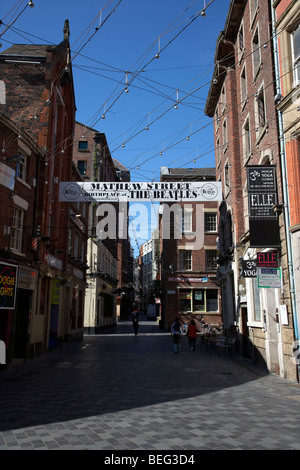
column 112, row 372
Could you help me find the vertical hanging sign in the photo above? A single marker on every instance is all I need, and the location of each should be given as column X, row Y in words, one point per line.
column 262, row 199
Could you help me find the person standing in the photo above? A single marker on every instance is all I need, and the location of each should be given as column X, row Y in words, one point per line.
column 176, row 332
column 135, row 324
column 192, row 335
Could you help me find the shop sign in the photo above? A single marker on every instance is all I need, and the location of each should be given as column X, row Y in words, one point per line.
column 249, row 268
column 267, row 260
column 55, row 292
column 8, row 285
column 7, row 176
column 53, row 261
column 262, row 199
column 27, row 279
column 269, row 277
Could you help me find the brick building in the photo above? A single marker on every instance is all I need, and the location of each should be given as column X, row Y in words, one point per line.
column 39, row 101
column 188, row 271
column 241, row 100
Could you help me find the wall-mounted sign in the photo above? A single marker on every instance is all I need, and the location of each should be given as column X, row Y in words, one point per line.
column 141, row 191
column 249, row 268
column 262, row 199
column 8, row 285
column 267, row 259
column 7, row 176
column 269, row 277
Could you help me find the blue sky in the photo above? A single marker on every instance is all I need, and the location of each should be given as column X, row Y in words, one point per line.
column 122, row 51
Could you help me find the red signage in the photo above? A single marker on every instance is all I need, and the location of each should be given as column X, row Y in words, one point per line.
column 267, row 260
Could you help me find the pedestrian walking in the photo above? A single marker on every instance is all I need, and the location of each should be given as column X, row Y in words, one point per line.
column 176, row 332
column 192, row 335
column 135, row 324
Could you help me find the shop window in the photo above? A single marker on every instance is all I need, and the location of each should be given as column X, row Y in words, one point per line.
column 185, row 300
column 211, row 300
column 199, row 300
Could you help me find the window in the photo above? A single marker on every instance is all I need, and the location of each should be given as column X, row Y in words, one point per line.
column 223, row 100
column 246, row 141
column 21, row 168
column 226, row 176
column 256, row 53
column 210, row 222
column 253, row 8
column 225, row 140
column 211, row 260
column 187, row 218
column 198, row 300
column 83, row 145
column 241, row 45
column 218, row 152
column 82, row 166
column 185, row 260
column 296, row 54
column 243, row 87
column 17, row 229
column 260, row 116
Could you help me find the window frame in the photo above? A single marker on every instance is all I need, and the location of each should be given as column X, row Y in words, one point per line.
column 17, row 229
column 185, row 260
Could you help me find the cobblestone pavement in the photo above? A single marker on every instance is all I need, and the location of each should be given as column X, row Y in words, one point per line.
column 118, row 392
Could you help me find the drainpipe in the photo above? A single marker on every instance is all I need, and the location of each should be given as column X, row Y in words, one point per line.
column 285, row 187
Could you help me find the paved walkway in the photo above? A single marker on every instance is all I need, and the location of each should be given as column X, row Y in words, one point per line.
column 117, row 392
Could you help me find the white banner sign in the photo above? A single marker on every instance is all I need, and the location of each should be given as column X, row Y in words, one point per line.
column 141, row 192
column 269, row 277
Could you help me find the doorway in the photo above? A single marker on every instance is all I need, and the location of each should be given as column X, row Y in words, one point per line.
column 21, row 323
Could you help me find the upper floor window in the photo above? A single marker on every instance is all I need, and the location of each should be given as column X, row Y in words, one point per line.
column 225, row 138
column 253, row 8
column 260, row 112
column 17, row 229
column 210, row 222
column 185, row 260
column 187, row 219
column 256, row 53
column 223, row 99
column 241, row 43
column 83, row 145
column 295, row 36
column 21, row 168
column 243, row 87
column 246, row 140
column 211, row 257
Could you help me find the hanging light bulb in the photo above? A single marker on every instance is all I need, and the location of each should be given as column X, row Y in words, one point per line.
column 103, row 116
column 123, row 145
column 157, row 56
column 147, row 128
column 187, row 138
column 138, row 167
column 30, row 4
column 176, row 106
column 126, row 90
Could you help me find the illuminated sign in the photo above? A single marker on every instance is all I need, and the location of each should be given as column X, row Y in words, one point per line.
column 8, row 285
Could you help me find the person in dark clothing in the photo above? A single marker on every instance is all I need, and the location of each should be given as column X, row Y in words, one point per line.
column 135, row 324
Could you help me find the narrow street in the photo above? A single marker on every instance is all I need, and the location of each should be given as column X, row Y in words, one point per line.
column 118, row 392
